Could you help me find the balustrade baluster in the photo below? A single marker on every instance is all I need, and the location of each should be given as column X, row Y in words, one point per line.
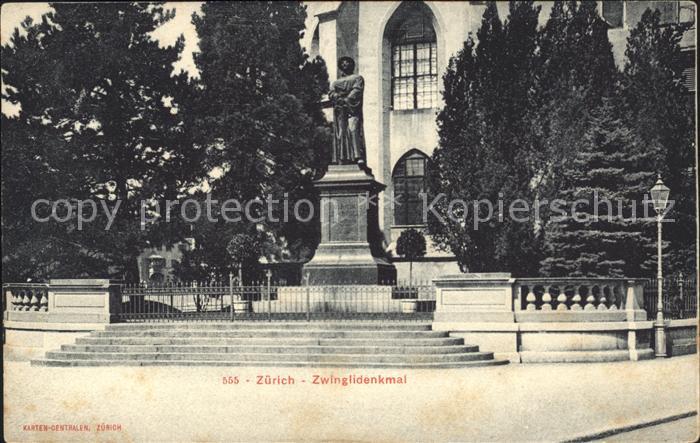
column 602, row 299
column 546, row 299
column 614, row 298
column 576, row 299
column 590, row 300
column 16, row 300
column 530, row 299
column 561, row 300
column 33, row 301
column 26, row 301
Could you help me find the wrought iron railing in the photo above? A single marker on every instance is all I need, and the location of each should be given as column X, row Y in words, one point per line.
column 680, row 298
column 266, row 301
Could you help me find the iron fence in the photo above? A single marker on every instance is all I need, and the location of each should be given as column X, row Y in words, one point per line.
column 680, row 297
column 206, row 301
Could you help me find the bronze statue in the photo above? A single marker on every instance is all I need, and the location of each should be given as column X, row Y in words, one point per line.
column 348, row 134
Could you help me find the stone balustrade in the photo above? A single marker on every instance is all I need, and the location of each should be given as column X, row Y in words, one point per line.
column 546, row 319
column 571, row 294
column 61, row 301
column 27, row 297
column 40, row 316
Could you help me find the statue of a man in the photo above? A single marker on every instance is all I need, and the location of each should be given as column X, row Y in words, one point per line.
column 346, row 96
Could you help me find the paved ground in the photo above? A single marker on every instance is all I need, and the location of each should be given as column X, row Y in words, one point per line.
column 513, row 402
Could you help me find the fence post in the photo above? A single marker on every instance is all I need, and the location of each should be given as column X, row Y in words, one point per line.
column 308, row 297
column 268, row 274
column 230, row 291
column 680, row 295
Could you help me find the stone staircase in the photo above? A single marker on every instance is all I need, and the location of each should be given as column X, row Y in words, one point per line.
column 316, row 344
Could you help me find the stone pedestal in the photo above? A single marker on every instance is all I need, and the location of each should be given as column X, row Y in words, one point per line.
column 351, row 250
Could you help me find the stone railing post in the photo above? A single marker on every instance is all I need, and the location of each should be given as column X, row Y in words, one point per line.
column 517, row 297
column 634, row 300
column 84, row 300
column 486, row 297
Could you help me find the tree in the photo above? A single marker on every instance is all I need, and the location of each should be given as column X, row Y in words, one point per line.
column 575, row 70
column 410, row 245
column 259, row 117
column 101, row 119
column 604, row 229
column 484, row 151
column 661, row 112
column 192, row 266
column 245, row 249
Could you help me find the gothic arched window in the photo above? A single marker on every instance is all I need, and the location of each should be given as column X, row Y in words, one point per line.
column 409, row 181
column 414, row 79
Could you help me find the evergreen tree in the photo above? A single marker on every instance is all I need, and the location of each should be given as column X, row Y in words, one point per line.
column 661, row 112
column 575, row 71
column 608, row 234
column 101, row 117
column 458, row 147
column 259, row 117
column 482, row 154
column 33, row 250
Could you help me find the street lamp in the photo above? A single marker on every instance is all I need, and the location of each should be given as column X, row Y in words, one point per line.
column 659, row 198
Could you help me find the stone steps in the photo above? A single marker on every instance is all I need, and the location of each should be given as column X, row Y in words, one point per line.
column 233, row 363
column 261, row 357
column 293, row 341
column 282, row 333
column 257, row 325
column 298, row 344
column 402, row 349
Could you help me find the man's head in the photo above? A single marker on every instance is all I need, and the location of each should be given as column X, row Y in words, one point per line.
column 346, row 65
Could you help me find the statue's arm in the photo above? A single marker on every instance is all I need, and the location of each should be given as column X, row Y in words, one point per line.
column 336, row 98
column 354, row 97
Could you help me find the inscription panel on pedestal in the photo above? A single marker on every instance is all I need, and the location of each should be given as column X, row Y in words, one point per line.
column 475, row 297
column 343, row 216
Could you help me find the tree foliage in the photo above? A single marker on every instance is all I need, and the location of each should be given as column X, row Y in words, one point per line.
column 575, row 72
column 101, row 117
column 661, row 113
column 484, row 148
column 529, row 114
column 603, row 229
column 259, row 120
column 410, row 244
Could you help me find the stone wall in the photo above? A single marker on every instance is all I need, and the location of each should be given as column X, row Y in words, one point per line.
column 682, row 337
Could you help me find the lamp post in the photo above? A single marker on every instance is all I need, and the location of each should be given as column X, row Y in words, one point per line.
column 659, row 198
